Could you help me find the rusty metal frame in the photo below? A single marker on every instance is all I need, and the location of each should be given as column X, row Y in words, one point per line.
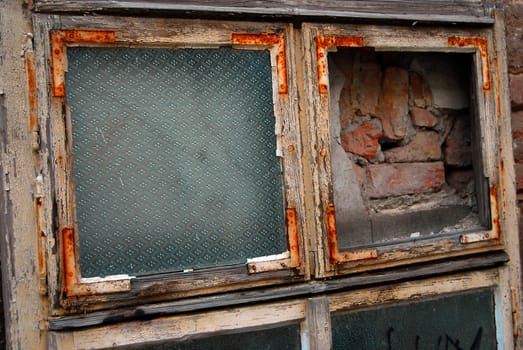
column 274, row 42
column 293, row 260
column 77, row 286
column 323, row 43
column 481, row 45
column 336, row 256
column 59, row 41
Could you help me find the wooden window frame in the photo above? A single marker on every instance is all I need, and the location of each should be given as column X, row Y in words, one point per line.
column 72, row 289
column 480, row 43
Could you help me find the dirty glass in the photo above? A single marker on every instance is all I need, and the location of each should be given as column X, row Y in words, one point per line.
column 174, row 159
column 453, row 323
column 282, row 338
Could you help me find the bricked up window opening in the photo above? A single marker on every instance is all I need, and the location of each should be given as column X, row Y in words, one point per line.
column 405, row 159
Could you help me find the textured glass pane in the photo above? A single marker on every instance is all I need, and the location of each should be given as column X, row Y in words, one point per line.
column 283, row 338
column 457, row 322
column 173, row 158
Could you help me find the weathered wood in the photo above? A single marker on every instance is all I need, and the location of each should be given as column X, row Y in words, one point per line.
column 187, row 327
column 57, row 165
column 275, row 293
column 316, row 311
column 469, row 12
column 18, row 229
column 318, row 324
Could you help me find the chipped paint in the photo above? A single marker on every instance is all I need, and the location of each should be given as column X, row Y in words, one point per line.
column 59, row 42
column 276, row 41
column 336, row 256
column 482, row 45
column 323, row 43
column 76, row 286
column 289, row 259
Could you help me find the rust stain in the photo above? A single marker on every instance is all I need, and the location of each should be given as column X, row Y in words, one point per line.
column 495, row 213
column 271, row 40
column 498, row 90
column 322, row 45
column 293, row 237
column 482, row 45
column 42, row 268
column 69, row 260
column 32, row 91
column 59, row 41
column 331, row 234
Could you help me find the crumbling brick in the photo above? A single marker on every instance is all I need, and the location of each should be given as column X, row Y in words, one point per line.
column 384, row 180
column 394, row 106
column 423, row 118
column 364, row 140
column 425, row 146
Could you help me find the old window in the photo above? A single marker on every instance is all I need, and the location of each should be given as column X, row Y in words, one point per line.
column 403, row 127
column 176, row 157
column 232, row 179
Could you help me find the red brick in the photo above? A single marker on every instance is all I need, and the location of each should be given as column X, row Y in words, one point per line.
column 517, row 124
column 518, row 149
column 366, row 88
column 422, row 117
column 458, row 149
column 425, row 146
column 420, row 93
column 359, row 96
column 384, row 180
column 519, row 176
column 516, row 89
column 460, row 179
column 514, row 26
column 394, row 103
column 364, row 140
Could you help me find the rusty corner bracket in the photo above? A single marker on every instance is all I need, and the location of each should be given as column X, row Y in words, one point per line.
column 59, row 41
column 276, row 41
column 495, row 232
column 323, row 43
column 336, row 256
column 482, row 45
column 76, row 286
column 293, row 260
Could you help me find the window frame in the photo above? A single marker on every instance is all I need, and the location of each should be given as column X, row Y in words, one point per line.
column 480, row 43
column 70, row 289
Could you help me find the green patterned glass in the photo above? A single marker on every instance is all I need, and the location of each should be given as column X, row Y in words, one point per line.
column 174, row 159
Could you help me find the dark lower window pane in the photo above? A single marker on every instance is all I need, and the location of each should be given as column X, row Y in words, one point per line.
column 283, row 338
column 455, row 322
column 174, row 159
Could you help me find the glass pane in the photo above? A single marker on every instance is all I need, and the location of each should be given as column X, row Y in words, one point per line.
column 457, row 322
column 405, row 163
column 283, row 338
column 174, row 159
